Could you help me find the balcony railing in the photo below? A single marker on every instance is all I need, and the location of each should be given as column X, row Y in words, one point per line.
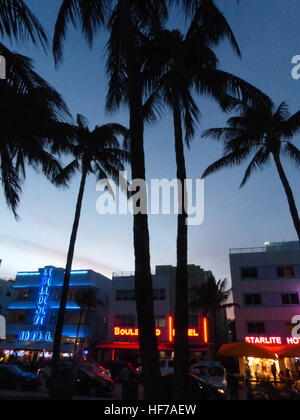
column 272, row 247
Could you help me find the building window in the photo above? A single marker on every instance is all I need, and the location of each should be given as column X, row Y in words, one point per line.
column 23, row 294
column 159, row 294
column 249, row 273
column 285, row 272
column 125, row 321
column 160, row 322
column 193, row 321
column 125, row 295
column 252, row 300
column 290, row 299
column 18, row 316
column 256, row 328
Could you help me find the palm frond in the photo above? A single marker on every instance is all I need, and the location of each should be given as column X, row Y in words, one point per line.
column 260, row 160
column 18, row 22
column 232, row 159
column 89, row 14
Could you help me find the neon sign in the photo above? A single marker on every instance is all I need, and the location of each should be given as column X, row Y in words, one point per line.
column 191, row 332
column 35, row 336
column 131, row 332
column 43, row 298
column 272, row 340
column 41, row 310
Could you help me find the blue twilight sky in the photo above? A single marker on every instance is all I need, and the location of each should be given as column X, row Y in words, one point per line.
column 268, row 32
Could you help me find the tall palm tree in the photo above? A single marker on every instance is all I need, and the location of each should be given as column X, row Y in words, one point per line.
column 177, row 67
column 262, row 132
column 129, row 22
column 31, row 111
column 212, row 298
column 87, row 301
column 95, row 153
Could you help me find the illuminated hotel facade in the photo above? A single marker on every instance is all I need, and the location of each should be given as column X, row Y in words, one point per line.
column 266, row 286
column 122, row 340
column 32, row 314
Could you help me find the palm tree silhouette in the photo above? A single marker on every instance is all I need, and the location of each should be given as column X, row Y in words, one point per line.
column 95, row 153
column 129, row 21
column 87, row 300
column 211, row 298
column 266, row 133
column 179, row 66
column 31, row 111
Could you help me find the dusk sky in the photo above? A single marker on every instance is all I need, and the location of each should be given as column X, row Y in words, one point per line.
column 268, row 34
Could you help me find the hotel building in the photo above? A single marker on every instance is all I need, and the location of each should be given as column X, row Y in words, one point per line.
column 122, row 342
column 33, row 311
column 266, row 286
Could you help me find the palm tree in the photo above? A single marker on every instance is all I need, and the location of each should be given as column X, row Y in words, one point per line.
column 31, row 111
column 129, row 22
column 178, row 66
column 265, row 132
column 212, row 298
column 87, row 300
column 95, row 153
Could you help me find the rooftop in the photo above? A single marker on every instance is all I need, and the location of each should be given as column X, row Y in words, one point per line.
column 268, row 247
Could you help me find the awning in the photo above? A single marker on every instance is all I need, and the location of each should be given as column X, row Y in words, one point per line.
column 247, row 350
column 260, row 351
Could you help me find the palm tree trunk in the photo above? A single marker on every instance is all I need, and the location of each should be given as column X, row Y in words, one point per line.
column 56, row 388
column 143, row 277
column 77, row 333
column 289, row 193
column 181, row 286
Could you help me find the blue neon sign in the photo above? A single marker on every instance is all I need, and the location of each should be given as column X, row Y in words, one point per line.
column 41, row 309
column 43, row 297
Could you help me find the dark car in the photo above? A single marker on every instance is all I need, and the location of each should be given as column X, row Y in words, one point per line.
column 13, row 377
column 92, row 385
column 198, row 389
column 116, row 367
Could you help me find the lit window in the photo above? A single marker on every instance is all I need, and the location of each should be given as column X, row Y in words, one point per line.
column 286, row 272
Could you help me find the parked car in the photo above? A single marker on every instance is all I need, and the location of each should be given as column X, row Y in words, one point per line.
column 96, row 369
column 86, row 381
column 92, row 385
column 116, row 367
column 13, row 377
column 213, row 373
column 198, row 389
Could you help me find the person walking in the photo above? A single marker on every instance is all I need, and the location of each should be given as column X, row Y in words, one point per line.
column 274, row 372
column 125, row 375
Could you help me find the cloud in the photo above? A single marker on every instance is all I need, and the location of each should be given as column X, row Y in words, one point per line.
column 52, row 254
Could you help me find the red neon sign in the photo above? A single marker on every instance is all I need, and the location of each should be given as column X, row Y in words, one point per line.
column 272, row 340
column 191, row 332
column 131, row 332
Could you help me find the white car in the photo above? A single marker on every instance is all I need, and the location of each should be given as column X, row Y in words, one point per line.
column 213, row 373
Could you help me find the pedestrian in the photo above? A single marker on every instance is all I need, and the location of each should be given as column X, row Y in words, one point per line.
column 274, row 372
column 125, row 380
column 233, row 386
